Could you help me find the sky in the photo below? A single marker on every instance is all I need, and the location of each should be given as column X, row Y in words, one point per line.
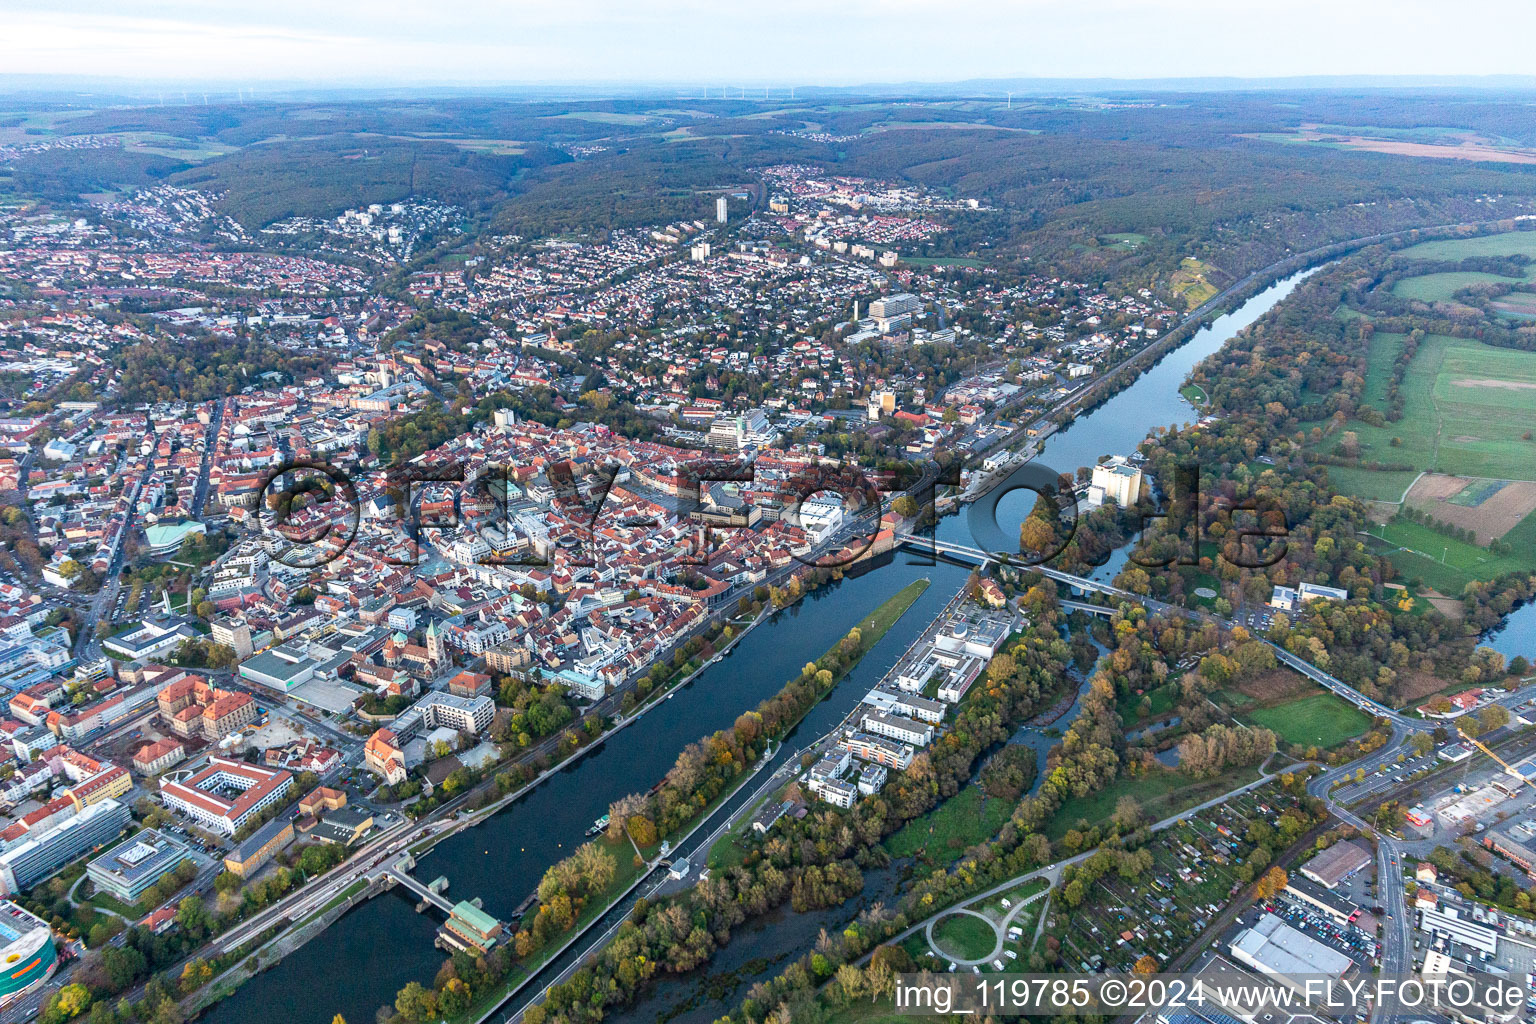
column 787, row 42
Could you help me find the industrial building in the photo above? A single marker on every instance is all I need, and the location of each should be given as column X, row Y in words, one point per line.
column 469, row 929
column 1274, row 948
column 1335, row 864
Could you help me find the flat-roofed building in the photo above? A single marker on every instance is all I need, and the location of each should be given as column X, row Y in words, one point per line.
column 27, row 950
column 880, row 750
column 1274, row 948
column 1513, row 850
column 35, row 859
column 129, row 869
column 1336, row 863
column 281, row 668
column 903, row 730
column 1321, row 899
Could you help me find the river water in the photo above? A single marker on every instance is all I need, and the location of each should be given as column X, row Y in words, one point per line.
column 362, row 960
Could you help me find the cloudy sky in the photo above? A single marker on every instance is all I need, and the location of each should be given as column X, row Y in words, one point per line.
column 804, row 42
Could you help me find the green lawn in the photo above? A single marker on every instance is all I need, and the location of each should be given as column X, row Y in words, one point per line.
column 964, row 937
column 877, row 622
column 1162, row 699
column 1509, row 243
column 941, row 835
column 106, row 901
column 1465, row 407
column 1319, row 719
column 1123, row 240
column 1372, row 484
column 1161, row 795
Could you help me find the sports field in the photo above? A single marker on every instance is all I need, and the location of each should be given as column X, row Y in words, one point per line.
column 1465, row 408
column 1449, row 565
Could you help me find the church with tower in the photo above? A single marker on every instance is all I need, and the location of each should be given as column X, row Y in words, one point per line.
column 423, row 662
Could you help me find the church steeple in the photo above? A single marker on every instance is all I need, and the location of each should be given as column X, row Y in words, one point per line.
column 435, row 645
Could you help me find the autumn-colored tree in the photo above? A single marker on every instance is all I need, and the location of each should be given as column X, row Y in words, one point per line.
column 1146, row 965
column 1272, row 882
column 642, row 830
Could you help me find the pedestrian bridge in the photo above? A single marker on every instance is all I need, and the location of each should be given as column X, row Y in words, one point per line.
column 429, row 893
column 1083, row 584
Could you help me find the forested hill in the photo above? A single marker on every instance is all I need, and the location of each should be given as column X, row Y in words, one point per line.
column 1234, row 180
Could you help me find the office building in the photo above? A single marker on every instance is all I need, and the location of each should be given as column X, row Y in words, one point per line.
column 129, row 869
column 226, row 794
column 259, row 847
column 37, row 857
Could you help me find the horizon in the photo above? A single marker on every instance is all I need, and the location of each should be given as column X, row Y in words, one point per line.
column 682, row 44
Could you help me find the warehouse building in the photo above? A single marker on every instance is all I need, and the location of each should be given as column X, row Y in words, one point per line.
column 1274, row 948
column 1335, row 864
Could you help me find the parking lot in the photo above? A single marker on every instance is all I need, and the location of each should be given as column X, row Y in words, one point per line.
column 1363, row 949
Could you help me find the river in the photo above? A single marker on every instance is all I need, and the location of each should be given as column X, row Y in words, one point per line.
column 363, row 959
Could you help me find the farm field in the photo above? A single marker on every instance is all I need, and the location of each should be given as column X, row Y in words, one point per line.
column 1319, row 719
column 1192, row 284
column 1465, row 408
column 1441, row 287
column 1510, row 243
column 1489, row 508
column 1519, row 305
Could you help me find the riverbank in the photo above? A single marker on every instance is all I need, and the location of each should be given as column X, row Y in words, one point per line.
column 528, row 832
column 871, row 629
